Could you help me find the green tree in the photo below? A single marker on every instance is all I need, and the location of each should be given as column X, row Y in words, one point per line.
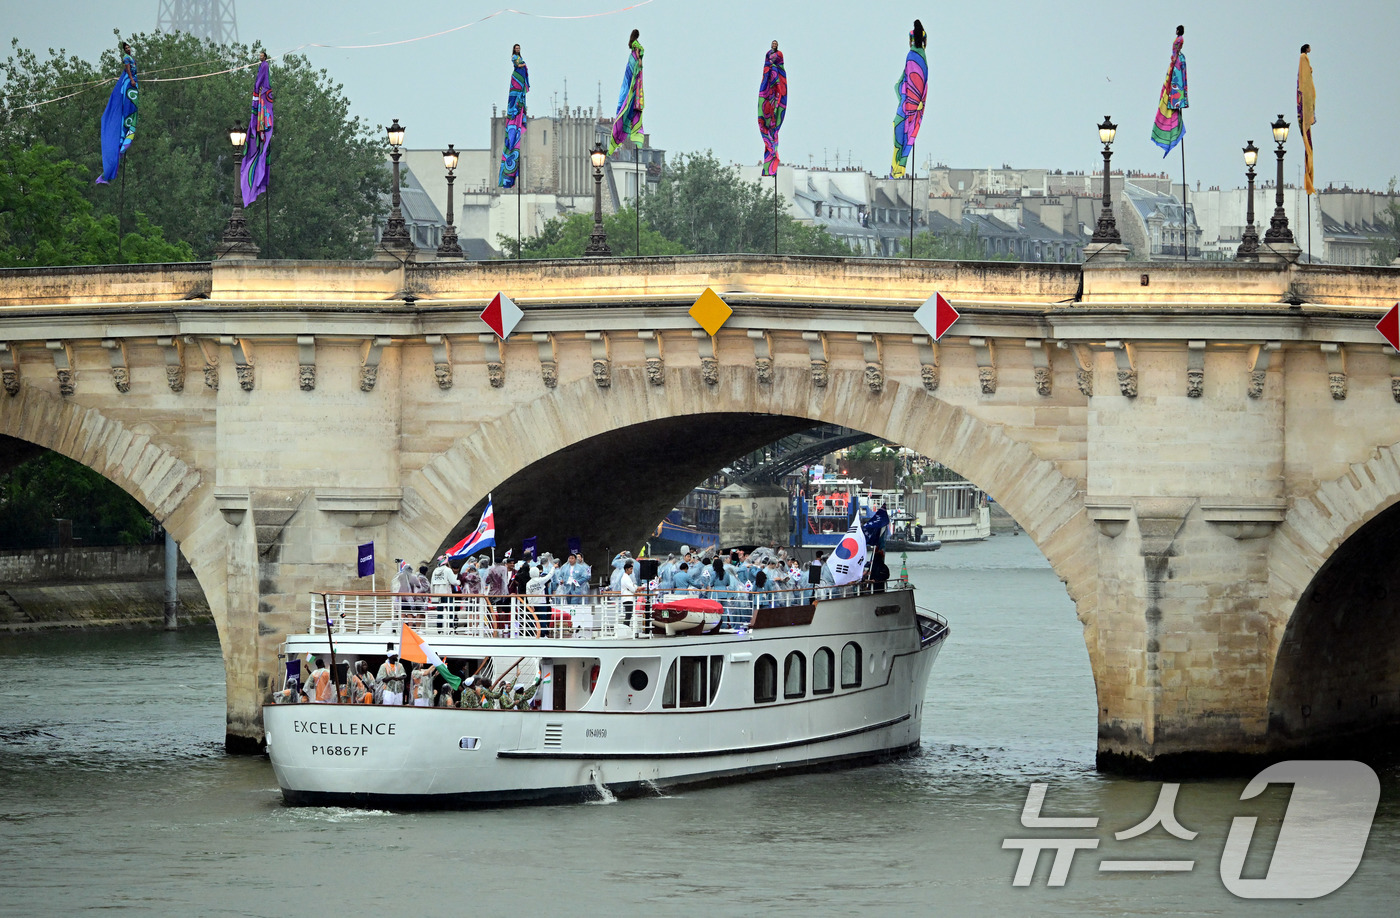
column 49, row 487
column 955, row 246
column 45, row 220
column 1388, row 246
column 327, row 167
column 709, row 209
column 566, row 237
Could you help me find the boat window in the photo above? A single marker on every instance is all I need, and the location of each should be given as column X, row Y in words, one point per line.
column 850, row 665
column 668, row 693
column 693, row 671
column 716, row 667
column 794, row 675
column 638, row 680
column 765, row 680
column 822, row 674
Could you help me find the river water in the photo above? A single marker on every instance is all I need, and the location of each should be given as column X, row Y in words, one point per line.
column 115, row 794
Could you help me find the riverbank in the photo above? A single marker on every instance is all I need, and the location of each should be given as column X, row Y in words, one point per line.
column 28, row 608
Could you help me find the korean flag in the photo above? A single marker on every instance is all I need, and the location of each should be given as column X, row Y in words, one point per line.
column 847, row 562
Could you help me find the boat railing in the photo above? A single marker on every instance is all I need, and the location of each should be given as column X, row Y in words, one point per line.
column 589, row 616
column 932, row 626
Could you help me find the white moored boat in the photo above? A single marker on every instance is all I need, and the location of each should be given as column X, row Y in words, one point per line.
column 784, row 684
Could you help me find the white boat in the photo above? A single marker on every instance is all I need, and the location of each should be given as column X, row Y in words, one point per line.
column 800, row 682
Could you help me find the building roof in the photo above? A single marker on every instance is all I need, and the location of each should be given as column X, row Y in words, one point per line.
column 1150, row 204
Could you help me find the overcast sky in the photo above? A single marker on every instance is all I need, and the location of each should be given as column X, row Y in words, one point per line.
column 1015, row 82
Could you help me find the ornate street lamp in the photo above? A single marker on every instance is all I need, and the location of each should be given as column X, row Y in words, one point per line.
column 1249, row 241
column 1279, row 233
column 396, row 238
column 1107, row 230
column 449, row 247
column 237, row 242
column 598, row 239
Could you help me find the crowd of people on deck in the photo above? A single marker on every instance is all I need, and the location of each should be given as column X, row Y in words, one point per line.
column 547, row 581
column 315, row 683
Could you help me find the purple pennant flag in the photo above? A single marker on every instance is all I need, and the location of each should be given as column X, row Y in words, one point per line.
column 530, row 548
column 253, row 181
column 366, row 560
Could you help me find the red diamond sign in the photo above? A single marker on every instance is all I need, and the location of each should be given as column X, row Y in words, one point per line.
column 502, row 315
column 937, row 315
column 1389, row 326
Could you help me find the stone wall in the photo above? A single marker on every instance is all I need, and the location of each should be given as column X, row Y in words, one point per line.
column 88, row 564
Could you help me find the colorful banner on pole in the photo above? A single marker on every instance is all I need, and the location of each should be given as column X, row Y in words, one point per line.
column 911, row 90
column 253, row 181
column 1169, row 127
column 515, row 122
column 772, row 106
column 1307, row 116
column 627, row 125
column 119, row 121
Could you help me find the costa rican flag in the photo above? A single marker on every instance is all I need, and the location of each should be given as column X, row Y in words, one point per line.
column 483, row 537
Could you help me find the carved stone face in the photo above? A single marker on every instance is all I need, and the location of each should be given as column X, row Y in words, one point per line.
column 1128, row 382
column 11, row 379
column 987, row 377
column 929, row 373
column 1256, row 384
column 549, row 372
column 175, row 378
column 709, row 370
column 496, row 374
column 1195, row 382
column 369, row 375
column 1085, row 381
column 1337, row 382
column 656, row 371
column 819, row 373
column 442, row 372
column 764, row 367
column 874, row 378
column 245, row 376
column 306, row 376
column 602, row 373
column 121, row 378
column 1042, row 381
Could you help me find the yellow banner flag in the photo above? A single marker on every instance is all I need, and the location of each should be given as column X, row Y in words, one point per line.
column 1307, row 116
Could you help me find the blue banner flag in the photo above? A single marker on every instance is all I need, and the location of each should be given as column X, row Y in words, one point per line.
column 365, row 558
column 531, row 547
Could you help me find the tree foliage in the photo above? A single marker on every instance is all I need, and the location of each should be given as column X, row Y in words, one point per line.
column 49, row 487
column 709, row 209
column 1387, row 247
column 566, row 237
column 964, row 245
column 45, row 220
column 327, row 168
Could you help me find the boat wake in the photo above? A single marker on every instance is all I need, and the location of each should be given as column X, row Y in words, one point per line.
column 605, row 796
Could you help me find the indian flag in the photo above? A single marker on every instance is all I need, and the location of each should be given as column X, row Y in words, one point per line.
column 413, row 647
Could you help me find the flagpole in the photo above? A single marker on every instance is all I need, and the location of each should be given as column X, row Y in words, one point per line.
column 911, row 200
column 330, row 639
column 519, row 220
column 638, row 149
column 1185, row 230
column 775, row 208
column 121, row 211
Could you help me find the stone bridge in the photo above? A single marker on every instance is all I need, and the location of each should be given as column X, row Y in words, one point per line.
column 1207, row 455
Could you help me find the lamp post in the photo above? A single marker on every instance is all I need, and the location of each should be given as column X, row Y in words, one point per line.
column 1279, row 233
column 237, row 242
column 598, row 239
column 449, row 247
column 395, row 242
column 1106, row 232
column 1249, row 240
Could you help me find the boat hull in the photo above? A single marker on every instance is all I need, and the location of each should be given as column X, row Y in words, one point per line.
column 408, row 757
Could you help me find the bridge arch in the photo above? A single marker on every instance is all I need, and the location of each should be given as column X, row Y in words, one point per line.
column 138, row 462
column 1047, row 504
column 1335, row 607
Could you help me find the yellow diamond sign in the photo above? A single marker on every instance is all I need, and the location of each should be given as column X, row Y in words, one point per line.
column 710, row 311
